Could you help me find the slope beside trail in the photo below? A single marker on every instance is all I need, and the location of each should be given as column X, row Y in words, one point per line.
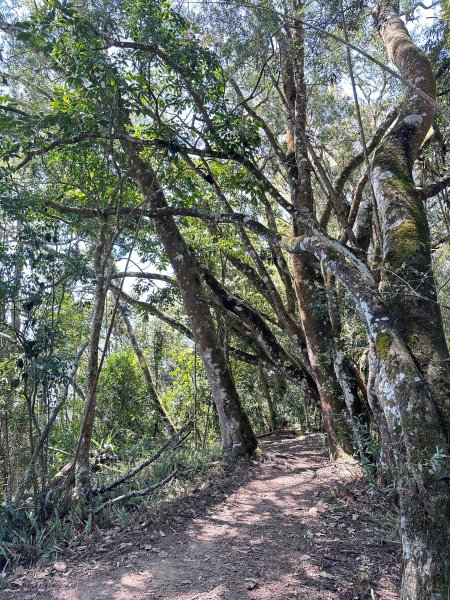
column 293, row 525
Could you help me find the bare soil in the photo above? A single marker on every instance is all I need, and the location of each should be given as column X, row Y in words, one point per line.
column 292, row 525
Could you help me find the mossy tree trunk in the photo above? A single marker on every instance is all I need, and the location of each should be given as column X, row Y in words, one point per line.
column 406, row 276
column 412, row 431
column 417, row 451
column 419, row 418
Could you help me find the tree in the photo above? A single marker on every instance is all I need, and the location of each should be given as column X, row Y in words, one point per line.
column 182, row 121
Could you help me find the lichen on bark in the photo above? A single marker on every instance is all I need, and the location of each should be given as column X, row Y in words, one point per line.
column 412, row 389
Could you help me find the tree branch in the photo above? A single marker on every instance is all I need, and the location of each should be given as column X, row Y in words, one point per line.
column 132, row 472
column 144, row 275
column 355, row 162
column 136, row 493
column 433, row 189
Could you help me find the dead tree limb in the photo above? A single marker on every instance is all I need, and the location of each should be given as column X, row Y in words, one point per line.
column 132, row 472
column 136, row 493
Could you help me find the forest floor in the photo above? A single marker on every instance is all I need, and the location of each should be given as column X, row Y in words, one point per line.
column 290, row 525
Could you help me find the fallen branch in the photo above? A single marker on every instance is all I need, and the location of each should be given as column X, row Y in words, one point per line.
column 59, row 451
column 132, row 472
column 183, row 439
column 278, row 432
column 136, row 493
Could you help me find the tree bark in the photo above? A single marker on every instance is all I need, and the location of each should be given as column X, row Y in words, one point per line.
column 266, row 340
column 407, row 280
column 308, row 280
column 412, row 432
column 406, row 274
column 237, row 434
column 103, row 270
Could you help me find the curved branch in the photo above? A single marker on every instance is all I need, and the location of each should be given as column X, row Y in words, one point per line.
column 433, row 189
column 355, row 162
column 144, row 275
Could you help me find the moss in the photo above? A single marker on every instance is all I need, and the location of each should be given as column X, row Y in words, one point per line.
column 383, row 344
column 402, row 182
column 400, row 186
column 413, row 339
column 442, row 581
column 406, row 241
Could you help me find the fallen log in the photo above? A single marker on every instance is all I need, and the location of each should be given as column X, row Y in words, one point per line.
column 280, row 432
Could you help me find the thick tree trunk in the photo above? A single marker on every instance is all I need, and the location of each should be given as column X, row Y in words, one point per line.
column 407, row 280
column 308, row 279
column 407, row 276
column 418, row 454
column 237, row 434
column 412, row 432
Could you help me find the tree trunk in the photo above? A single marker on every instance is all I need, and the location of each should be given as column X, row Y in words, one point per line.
column 406, row 275
column 237, row 434
column 309, row 283
column 262, row 335
column 418, row 450
column 154, row 398
column 407, row 280
column 103, row 271
column 273, row 421
column 412, row 433
column 386, row 461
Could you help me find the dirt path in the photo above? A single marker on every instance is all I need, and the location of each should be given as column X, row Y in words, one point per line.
column 292, row 526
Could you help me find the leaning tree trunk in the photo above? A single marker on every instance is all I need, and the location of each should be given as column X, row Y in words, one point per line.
column 412, row 433
column 408, row 283
column 237, row 434
column 103, row 267
column 407, row 277
column 151, row 389
column 308, row 279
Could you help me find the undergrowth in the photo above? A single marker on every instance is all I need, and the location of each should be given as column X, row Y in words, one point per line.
column 34, row 536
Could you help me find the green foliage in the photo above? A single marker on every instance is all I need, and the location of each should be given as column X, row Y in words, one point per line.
column 87, row 82
column 180, row 395
column 28, row 538
column 123, row 400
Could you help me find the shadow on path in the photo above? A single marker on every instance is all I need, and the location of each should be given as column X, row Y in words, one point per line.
column 293, row 526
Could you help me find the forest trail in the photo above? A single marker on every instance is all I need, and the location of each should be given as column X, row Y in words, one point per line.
column 293, row 525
